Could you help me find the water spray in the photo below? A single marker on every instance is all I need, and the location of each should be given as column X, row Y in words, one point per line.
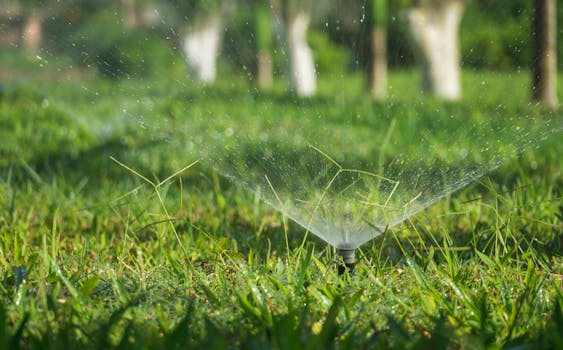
column 349, row 257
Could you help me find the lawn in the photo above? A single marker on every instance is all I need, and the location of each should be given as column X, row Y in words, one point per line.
column 119, row 229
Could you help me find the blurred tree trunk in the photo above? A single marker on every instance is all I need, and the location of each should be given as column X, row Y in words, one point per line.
column 130, row 13
column 32, row 33
column 377, row 60
column 544, row 62
column 263, row 41
column 435, row 25
column 201, row 45
column 296, row 17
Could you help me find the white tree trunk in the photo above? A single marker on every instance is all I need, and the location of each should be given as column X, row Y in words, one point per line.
column 32, row 34
column 201, row 46
column 377, row 69
column 301, row 64
column 435, row 28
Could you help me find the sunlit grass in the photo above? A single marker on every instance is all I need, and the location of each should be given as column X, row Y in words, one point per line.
column 138, row 254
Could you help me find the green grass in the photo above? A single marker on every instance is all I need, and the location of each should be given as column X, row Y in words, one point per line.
column 138, row 255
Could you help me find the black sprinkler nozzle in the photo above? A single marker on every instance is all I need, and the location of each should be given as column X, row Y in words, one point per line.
column 349, row 257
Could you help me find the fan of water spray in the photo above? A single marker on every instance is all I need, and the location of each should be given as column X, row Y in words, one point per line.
column 346, row 196
column 344, row 167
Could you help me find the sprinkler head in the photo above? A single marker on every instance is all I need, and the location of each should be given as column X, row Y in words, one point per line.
column 349, row 257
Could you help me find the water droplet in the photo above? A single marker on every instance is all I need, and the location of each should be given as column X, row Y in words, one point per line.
column 463, row 153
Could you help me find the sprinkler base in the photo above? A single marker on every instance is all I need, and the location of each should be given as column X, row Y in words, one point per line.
column 349, row 257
